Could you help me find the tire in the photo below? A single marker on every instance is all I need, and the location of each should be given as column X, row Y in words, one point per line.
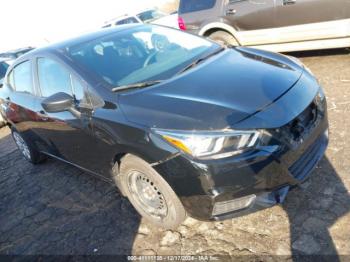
column 223, row 37
column 157, row 203
column 27, row 148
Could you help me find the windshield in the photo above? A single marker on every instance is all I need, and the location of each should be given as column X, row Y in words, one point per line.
column 139, row 54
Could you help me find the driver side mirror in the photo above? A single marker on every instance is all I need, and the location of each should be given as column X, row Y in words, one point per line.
column 58, row 102
column 1, row 82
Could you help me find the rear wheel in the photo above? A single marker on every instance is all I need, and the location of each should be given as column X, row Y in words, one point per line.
column 150, row 194
column 27, row 149
column 223, row 37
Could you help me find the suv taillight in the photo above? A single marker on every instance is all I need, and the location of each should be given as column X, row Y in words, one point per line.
column 182, row 24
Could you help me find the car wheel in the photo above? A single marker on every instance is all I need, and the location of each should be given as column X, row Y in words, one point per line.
column 150, row 194
column 27, row 149
column 223, row 37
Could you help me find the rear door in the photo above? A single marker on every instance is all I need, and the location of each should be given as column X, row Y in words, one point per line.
column 303, row 20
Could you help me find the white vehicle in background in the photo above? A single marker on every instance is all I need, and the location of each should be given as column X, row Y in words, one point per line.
column 122, row 20
column 152, row 16
column 168, row 20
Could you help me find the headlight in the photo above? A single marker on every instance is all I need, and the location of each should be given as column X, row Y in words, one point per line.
column 320, row 95
column 212, row 145
column 320, row 99
column 296, row 60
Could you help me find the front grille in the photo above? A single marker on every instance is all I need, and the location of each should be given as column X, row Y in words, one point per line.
column 303, row 122
column 301, row 128
column 308, row 160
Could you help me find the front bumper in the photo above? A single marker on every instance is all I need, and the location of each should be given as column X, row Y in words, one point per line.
column 300, row 170
column 267, row 173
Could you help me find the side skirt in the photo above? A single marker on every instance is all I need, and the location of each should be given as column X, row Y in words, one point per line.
column 110, row 181
column 306, row 45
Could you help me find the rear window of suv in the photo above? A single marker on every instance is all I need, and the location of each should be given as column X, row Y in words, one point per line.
column 187, row 6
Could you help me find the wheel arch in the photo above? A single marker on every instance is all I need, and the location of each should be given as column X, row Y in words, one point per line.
column 218, row 26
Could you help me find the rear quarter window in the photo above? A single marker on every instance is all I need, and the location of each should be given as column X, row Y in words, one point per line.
column 187, row 6
column 22, row 78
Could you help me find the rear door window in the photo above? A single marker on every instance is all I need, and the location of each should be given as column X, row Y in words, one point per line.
column 22, row 78
column 187, row 6
column 53, row 78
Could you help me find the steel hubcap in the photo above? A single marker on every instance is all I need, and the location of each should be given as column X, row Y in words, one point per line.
column 22, row 146
column 148, row 195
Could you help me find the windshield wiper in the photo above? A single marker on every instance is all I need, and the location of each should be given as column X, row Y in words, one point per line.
column 201, row 59
column 136, row 85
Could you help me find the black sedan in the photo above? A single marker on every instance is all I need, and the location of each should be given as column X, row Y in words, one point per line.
column 180, row 124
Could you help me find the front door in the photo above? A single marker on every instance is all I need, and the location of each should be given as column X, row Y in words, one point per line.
column 67, row 135
column 305, row 20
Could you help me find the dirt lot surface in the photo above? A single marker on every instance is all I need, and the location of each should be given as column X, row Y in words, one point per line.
column 54, row 208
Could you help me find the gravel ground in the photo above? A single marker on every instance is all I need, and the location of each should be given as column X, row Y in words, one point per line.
column 56, row 209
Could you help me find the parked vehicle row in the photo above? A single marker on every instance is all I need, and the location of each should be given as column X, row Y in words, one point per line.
column 277, row 25
column 14, row 54
column 152, row 16
column 171, row 120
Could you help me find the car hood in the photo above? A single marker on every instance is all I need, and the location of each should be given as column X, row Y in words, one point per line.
column 216, row 94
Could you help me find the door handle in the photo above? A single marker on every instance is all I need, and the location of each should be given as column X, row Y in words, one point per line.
column 231, row 12
column 289, row 2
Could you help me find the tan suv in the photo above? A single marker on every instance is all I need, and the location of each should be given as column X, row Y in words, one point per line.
column 277, row 25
